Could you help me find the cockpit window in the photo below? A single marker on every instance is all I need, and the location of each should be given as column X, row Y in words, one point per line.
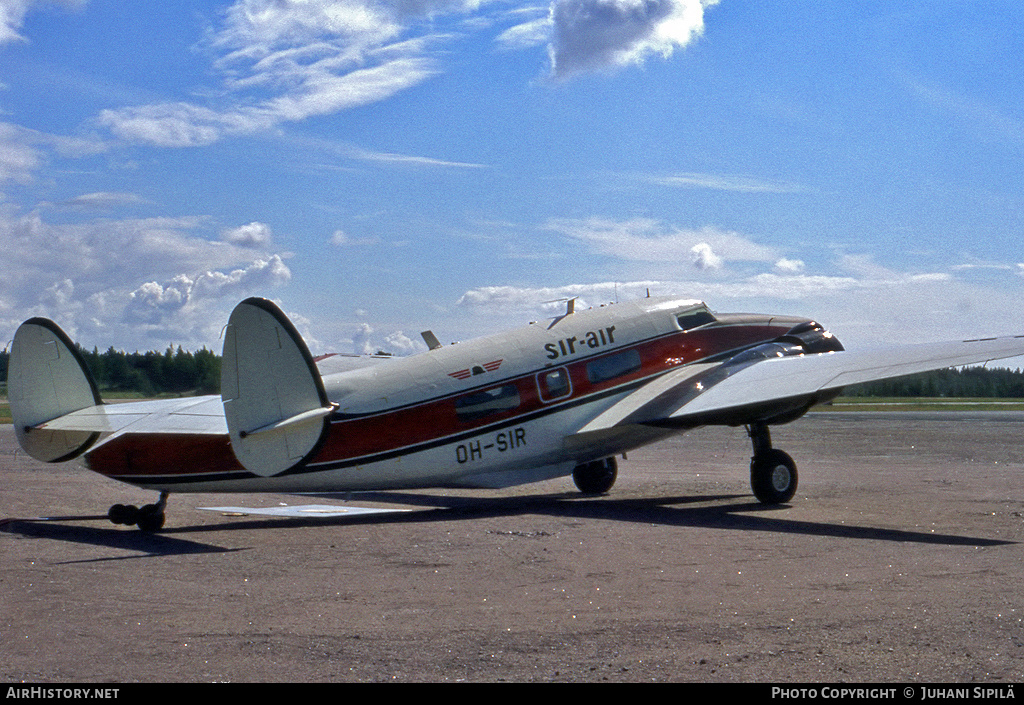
column 694, row 318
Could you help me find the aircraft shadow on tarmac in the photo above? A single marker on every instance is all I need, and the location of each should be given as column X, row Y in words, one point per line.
column 730, row 512
column 141, row 543
column 727, row 513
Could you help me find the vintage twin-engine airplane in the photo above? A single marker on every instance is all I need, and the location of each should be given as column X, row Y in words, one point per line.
column 543, row 401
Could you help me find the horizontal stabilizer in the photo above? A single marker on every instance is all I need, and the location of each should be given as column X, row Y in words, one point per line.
column 296, row 420
column 47, row 379
column 275, row 405
column 190, row 415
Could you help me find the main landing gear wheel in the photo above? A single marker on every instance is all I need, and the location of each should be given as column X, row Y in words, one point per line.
column 596, row 477
column 773, row 475
column 149, row 517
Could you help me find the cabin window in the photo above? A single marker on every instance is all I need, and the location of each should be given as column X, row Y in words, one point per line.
column 554, row 384
column 605, row 368
column 477, row 405
column 694, row 318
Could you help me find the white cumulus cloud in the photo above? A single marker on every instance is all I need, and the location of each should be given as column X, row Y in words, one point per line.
column 115, row 281
column 258, row 276
column 590, row 35
column 789, row 266
column 704, row 258
column 252, row 235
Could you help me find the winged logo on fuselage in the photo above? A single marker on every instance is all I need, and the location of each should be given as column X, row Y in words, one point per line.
column 474, row 370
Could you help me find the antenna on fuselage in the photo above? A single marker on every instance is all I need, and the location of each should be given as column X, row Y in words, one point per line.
column 431, row 340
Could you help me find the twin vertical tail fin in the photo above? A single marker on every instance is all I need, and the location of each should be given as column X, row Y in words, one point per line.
column 275, row 405
column 47, row 379
column 274, row 400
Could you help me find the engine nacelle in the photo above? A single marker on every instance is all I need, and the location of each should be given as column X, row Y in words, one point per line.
column 805, row 339
column 812, row 337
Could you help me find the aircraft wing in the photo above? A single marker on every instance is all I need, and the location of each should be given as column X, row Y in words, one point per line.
column 704, row 394
column 195, row 415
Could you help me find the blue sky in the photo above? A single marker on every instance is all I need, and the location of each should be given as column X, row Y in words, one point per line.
column 381, row 168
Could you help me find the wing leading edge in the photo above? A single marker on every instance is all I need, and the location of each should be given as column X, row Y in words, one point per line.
column 777, row 387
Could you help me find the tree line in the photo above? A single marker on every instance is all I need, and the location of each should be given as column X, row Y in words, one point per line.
column 958, row 383
column 175, row 371
column 179, row 371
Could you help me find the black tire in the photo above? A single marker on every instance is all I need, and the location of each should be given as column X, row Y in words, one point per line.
column 773, row 477
column 115, row 514
column 596, row 477
column 126, row 514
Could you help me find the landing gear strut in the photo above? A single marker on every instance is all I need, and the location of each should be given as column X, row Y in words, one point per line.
column 773, row 474
column 596, row 477
column 149, row 517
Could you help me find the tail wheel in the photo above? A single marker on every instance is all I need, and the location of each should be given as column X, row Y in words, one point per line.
column 596, row 477
column 773, row 476
column 148, row 518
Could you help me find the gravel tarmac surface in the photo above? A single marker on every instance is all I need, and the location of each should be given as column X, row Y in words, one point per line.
column 901, row 559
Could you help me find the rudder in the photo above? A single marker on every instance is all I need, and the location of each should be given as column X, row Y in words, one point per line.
column 275, row 405
column 46, row 379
